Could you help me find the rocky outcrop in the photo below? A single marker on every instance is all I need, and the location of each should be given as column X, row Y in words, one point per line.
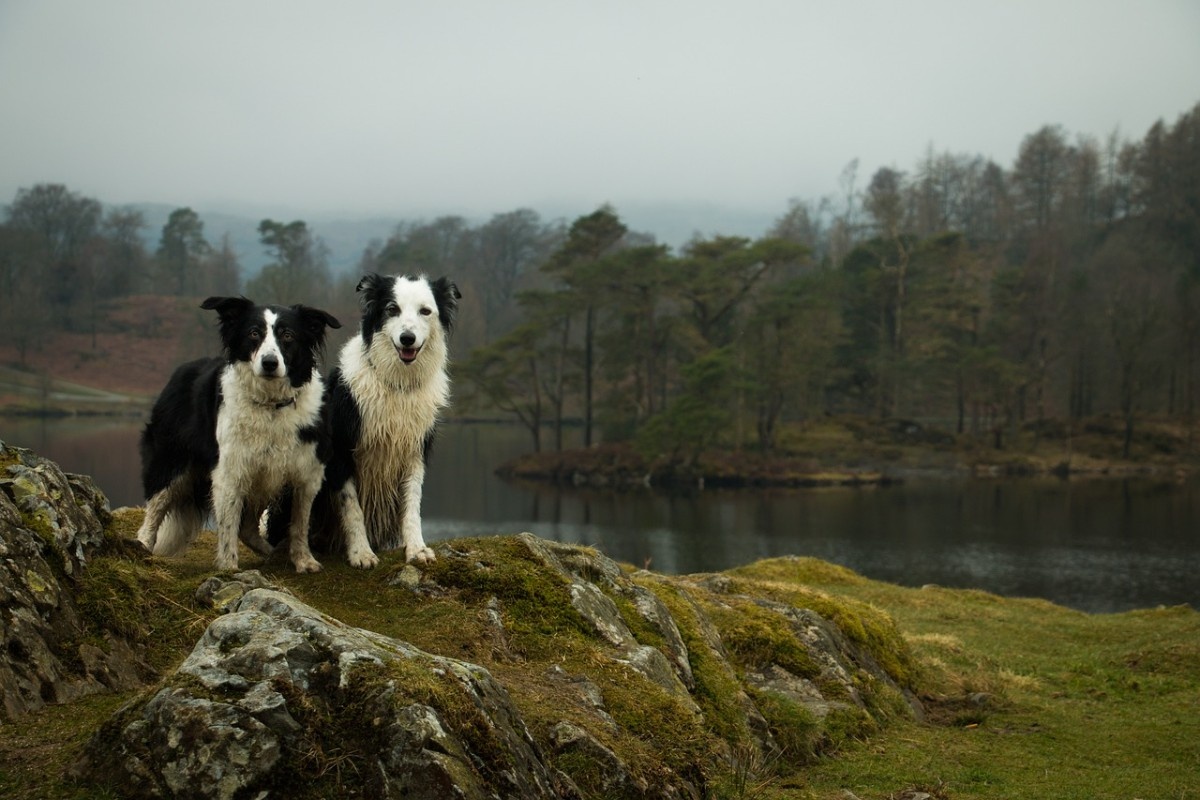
column 512, row 667
column 51, row 524
column 274, row 686
column 278, row 696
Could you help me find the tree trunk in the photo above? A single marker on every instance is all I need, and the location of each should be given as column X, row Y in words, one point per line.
column 560, row 387
column 588, row 364
column 535, row 428
column 960, row 402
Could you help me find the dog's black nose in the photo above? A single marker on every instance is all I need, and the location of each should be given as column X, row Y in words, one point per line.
column 408, row 339
column 270, row 364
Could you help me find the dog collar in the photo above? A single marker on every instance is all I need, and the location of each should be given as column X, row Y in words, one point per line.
column 280, row 405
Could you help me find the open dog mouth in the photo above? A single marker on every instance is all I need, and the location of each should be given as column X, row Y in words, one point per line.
column 407, row 354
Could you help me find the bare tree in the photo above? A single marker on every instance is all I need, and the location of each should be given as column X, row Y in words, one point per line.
column 1134, row 283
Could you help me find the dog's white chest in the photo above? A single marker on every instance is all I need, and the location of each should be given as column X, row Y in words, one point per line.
column 259, row 443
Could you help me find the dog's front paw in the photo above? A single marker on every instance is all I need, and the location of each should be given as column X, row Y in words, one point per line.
column 307, row 564
column 421, row 555
column 225, row 564
column 363, row 559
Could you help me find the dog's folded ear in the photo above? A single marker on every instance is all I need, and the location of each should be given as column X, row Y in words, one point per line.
column 228, row 306
column 315, row 320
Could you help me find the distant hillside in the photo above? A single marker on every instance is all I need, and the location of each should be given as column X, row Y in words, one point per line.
column 347, row 236
column 138, row 341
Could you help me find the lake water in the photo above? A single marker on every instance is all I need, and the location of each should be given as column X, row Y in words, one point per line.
column 1093, row 545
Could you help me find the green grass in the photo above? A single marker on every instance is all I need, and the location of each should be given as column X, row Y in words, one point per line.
column 1078, row 706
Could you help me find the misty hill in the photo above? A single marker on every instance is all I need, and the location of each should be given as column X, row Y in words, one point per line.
column 348, row 236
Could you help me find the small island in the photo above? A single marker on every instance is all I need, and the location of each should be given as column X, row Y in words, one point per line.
column 854, row 451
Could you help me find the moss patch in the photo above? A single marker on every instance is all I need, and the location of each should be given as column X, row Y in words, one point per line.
column 863, row 624
column 758, row 637
column 717, row 689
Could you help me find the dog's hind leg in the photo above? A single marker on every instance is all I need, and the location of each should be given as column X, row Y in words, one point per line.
column 172, row 519
column 179, row 529
column 156, row 509
column 414, row 541
column 354, row 528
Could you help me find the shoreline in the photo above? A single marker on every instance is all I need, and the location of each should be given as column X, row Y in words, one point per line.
column 620, row 467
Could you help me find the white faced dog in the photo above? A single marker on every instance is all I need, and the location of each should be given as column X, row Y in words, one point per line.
column 228, row 435
column 384, row 401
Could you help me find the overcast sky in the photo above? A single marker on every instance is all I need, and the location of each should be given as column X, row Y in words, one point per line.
column 395, row 108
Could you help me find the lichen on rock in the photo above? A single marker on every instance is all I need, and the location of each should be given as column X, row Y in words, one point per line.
column 51, row 524
column 274, row 683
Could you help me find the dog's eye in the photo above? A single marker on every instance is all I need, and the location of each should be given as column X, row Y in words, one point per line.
column 425, row 312
column 255, row 334
column 286, row 335
column 392, row 310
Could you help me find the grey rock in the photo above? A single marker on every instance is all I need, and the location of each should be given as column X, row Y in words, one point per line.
column 839, row 658
column 614, row 778
column 587, row 574
column 601, row 612
column 68, row 510
column 589, row 697
column 654, row 666
column 224, row 593
column 409, row 577
column 51, row 524
column 260, row 669
column 799, row 690
column 656, row 614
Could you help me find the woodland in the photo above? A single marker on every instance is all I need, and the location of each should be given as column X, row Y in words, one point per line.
column 973, row 297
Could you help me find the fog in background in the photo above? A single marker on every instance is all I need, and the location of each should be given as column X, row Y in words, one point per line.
column 719, row 110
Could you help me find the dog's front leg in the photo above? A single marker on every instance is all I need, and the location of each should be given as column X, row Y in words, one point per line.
column 227, row 509
column 410, row 529
column 354, row 528
column 298, row 550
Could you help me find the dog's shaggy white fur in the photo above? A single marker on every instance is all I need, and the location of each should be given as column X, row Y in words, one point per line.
column 385, row 398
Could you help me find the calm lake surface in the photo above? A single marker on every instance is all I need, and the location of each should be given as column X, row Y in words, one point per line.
column 1094, row 545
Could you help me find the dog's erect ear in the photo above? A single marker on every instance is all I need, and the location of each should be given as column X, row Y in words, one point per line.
column 227, row 307
column 446, row 295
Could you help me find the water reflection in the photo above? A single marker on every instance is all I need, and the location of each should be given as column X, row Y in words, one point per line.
column 1097, row 546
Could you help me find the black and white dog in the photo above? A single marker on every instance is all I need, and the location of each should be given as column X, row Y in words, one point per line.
column 228, row 435
column 384, row 400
